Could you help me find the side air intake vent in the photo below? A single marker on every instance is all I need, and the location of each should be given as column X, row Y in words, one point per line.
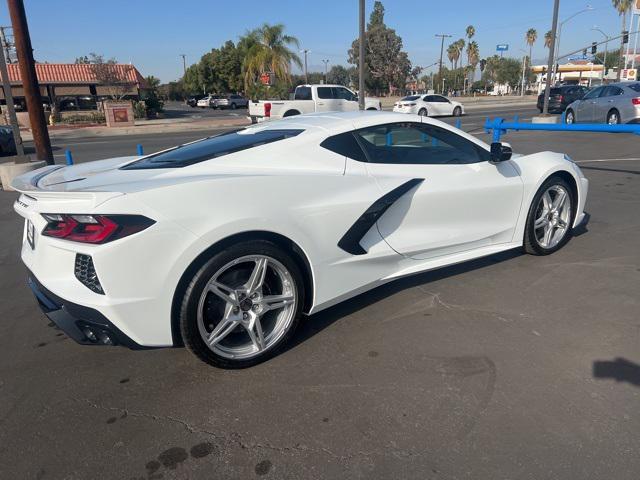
column 86, row 273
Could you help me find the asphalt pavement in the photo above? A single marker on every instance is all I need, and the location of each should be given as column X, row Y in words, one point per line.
column 508, row 367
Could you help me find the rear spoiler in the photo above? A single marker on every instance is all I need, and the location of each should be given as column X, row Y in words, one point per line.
column 28, row 182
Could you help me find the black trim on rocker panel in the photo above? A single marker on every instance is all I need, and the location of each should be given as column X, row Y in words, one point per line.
column 350, row 241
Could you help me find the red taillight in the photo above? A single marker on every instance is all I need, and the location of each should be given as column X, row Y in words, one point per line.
column 560, row 97
column 635, row 101
column 93, row 228
column 267, row 109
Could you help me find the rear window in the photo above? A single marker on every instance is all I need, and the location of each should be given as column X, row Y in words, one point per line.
column 634, row 86
column 209, row 148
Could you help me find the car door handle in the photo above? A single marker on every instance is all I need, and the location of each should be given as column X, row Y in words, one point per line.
column 610, row 101
column 319, row 103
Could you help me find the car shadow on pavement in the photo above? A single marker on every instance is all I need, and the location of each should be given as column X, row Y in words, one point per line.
column 319, row 321
column 619, row 369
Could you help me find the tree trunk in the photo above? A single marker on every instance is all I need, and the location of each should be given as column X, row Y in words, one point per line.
column 621, row 62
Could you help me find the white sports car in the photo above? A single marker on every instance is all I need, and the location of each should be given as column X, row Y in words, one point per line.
column 429, row 106
column 221, row 244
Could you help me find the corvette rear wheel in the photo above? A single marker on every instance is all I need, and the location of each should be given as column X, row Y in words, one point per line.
column 550, row 218
column 242, row 305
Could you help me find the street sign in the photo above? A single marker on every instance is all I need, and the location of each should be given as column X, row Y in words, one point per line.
column 630, row 74
column 502, row 47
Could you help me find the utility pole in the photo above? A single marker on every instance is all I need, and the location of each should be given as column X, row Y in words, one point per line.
column 361, row 58
column 30, row 81
column 442, row 36
column 326, row 62
column 6, row 85
column 554, row 30
column 6, row 45
column 184, row 63
column 306, row 76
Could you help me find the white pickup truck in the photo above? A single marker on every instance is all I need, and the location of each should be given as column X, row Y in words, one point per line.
column 309, row 99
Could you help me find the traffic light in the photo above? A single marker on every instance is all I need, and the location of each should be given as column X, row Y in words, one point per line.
column 483, row 64
column 594, row 48
column 625, row 36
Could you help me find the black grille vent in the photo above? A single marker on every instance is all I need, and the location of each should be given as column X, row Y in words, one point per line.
column 86, row 273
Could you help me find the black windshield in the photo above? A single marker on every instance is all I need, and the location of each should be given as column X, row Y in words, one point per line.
column 209, row 148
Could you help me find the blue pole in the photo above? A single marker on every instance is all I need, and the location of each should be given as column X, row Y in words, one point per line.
column 458, row 124
column 140, row 150
column 67, row 153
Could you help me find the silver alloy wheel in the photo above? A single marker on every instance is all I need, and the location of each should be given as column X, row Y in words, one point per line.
column 613, row 118
column 247, row 306
column 423, row 112
column 570, row 118
column 552, row 218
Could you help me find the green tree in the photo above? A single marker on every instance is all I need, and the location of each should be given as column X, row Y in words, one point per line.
column 622, row 7
column 473, row 57
column 151, row 97
column 506, row 71
column 386, row 64
column 338, row 74
column 268, row 51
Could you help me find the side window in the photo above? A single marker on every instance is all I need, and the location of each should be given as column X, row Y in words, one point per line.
column 325, row 92
column 430, row 98
column 593, row 94
column 345, row 94
column 345, row 144
column 440, row 99
column 418, row 144
column 303, row 93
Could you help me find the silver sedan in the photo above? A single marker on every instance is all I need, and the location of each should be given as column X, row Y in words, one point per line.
column 613, row 104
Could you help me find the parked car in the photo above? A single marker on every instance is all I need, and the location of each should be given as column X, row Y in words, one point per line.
column 309, row 99
column 7, row 142
column 613, row 104
column 210, row 101
column 193, row 100
column 429, row 106
column 232, row 102
column 126, row 250
column 560, row 97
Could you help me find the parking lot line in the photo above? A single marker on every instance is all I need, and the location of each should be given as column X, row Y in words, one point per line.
column 630, row 159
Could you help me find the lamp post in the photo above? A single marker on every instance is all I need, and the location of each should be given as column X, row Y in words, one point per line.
column 557, row 51
column 606, row 47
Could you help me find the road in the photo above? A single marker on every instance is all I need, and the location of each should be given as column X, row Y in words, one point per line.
column 508, row 367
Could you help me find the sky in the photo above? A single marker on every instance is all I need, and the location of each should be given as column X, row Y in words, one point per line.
column 152, row 34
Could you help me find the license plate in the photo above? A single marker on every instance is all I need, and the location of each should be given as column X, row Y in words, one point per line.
column 31, row 235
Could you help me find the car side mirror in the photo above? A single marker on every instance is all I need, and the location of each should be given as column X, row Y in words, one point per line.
column 500, row 152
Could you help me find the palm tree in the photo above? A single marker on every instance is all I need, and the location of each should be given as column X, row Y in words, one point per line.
column 531, row 37
column 268, row 52
column 547, row 39
column 473, row 57
column 622, row 6
column 451, row 53
column 470, row 31
column 459, row 49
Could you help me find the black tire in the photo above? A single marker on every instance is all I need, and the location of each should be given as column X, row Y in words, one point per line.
column 423, row 112
column 291, row 113
column 613, row 117
column 457, row 112
column 530, row 244
column 233, row 106
column 189, row 306
column 541, row 109
column 570, row 117
column 370, row 109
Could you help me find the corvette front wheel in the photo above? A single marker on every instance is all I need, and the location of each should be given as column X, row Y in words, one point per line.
column 550, row 217
column 242, row 305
